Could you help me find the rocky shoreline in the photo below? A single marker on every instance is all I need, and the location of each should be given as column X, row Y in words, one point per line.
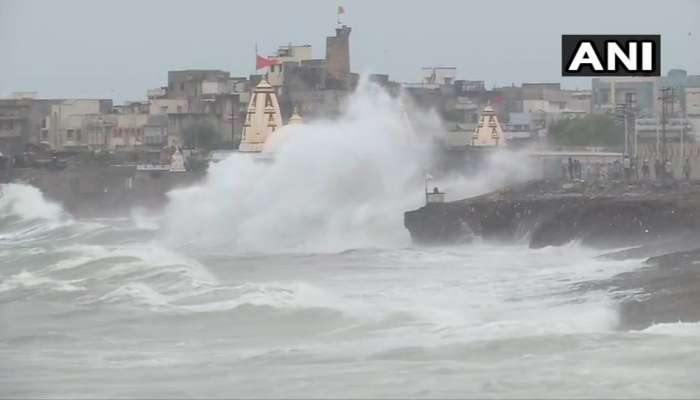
column 665, row 290
column 659, row 222
column 551, row 213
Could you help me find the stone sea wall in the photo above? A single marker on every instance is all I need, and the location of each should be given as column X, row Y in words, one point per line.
column 104, row 190
column 554, row 213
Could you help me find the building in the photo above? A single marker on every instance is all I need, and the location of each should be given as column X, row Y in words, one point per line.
column 23, row 121
column 168, row 106
column 155, row 131
column 525, row 126
column 197, row 103
column 263, row 118
column 287, row 57
column 69, row 121
column 129, row 132
column 488, row 132
column 317, row 87
column 192, row 84
column 649, row 130
column 608, row 92
column 552, row 100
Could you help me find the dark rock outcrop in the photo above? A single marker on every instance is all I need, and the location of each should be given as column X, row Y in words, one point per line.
column 554, row 213
column 665, row 290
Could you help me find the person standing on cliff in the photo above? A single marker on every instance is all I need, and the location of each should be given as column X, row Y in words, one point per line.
column 577, row 169
column 657, row 169
column 686, row 168
column 571, row 169
column 645, row 169
column 627, row 164
column 668, row 170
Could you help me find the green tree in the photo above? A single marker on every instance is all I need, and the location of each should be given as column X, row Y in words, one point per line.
column 591, row 130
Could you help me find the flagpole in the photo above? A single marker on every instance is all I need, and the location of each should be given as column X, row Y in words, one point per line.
column 426, row 177
column 256, row 57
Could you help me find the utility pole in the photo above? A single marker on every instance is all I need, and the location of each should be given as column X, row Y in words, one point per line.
column 623, row 112
column 684, row 116
column 621, row 117
column 667, row 99
column 630, row 100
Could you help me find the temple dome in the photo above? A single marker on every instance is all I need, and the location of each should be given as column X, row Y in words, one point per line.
column 277, row 140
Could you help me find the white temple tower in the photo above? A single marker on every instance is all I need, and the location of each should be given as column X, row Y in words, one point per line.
column 488, row 133
column 262, row 119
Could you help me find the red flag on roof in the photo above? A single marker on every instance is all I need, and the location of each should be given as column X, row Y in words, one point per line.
column 262, row 62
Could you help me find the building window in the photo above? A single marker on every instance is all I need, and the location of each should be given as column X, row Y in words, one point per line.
column 69, row 134
column 78, row 135
column 179, row 109
column 182, row 86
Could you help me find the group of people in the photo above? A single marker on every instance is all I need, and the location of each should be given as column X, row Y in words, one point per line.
column 664, row 169
column 628, row 169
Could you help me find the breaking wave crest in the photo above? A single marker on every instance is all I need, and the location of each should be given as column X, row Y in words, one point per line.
column 334, row 185
column 27, row 202
column 25, row 215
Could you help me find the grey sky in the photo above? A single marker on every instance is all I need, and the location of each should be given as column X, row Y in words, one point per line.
column 119, row 49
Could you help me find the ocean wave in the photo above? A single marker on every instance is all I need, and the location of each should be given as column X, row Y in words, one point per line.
column 28, row 280
column 28, row 203
column 205, row 299
column 674, row 329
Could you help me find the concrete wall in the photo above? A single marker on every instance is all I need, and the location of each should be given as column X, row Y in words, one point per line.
column 168, row 106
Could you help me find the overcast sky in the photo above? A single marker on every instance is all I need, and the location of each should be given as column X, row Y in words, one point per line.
column 119, row 49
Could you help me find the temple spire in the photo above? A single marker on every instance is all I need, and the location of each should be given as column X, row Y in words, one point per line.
column 262, row 119
column 488, row 132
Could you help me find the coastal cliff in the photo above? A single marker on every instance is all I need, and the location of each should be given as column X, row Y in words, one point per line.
column 550, row 213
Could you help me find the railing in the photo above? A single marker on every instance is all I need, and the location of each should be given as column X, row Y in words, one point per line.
column 435, row 198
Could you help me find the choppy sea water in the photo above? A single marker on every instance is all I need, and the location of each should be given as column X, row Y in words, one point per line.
column 108, row 308
column 296, row 278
